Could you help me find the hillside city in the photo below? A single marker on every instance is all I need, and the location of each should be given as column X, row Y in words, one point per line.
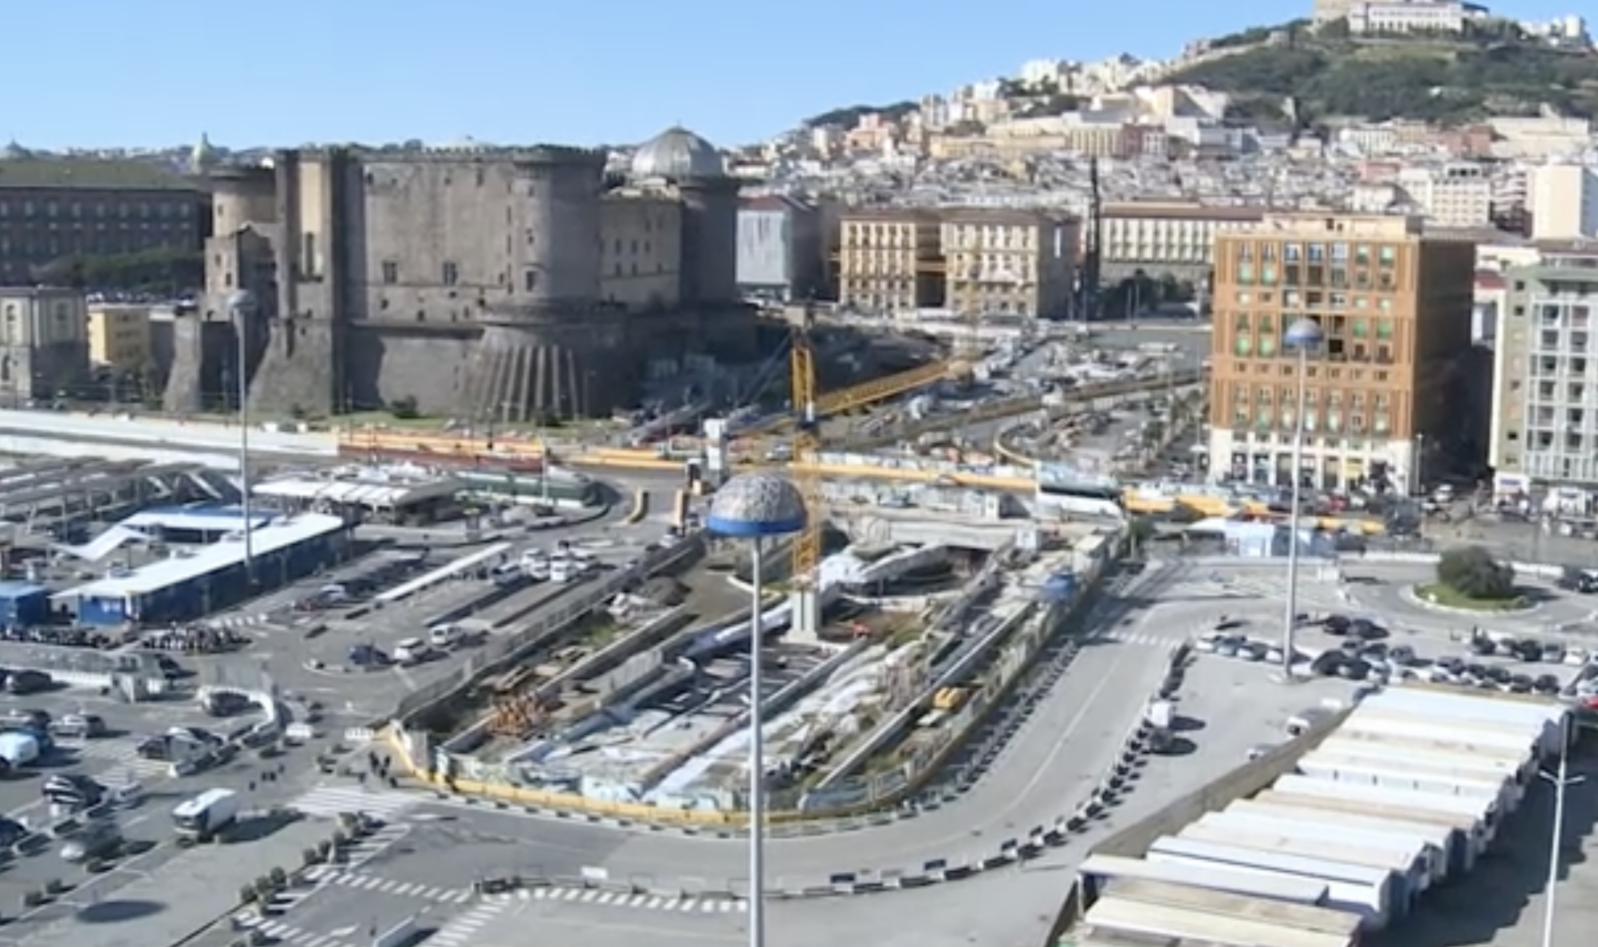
column 1118, row 503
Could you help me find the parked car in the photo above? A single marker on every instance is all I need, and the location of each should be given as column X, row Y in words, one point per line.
column 80, row 726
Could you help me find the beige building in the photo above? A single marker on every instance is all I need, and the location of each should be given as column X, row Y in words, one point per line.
column 1176, row 237
column 890, row 260
column 44, row 351
column 1455, row 195
column 1545, row 379
column 119, row 336
column 1387, row 386
column 1008, row 262
column 1563, row 200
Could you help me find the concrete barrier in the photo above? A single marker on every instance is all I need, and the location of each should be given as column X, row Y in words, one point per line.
column 399, row 935
column 640, row 507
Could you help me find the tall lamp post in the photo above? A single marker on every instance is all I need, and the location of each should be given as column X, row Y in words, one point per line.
column 757, row 507
column 1561, row 781
column 240, row 307
column 1304, row 335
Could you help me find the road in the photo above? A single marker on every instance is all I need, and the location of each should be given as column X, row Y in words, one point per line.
column 1060, row 752
column 431, row 852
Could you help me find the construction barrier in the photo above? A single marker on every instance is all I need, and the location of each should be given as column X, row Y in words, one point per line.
column 876, row 799
column 640, row 507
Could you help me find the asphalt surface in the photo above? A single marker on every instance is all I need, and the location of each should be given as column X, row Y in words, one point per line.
column 307, row 654
column 1062, row 749
column 433, row 852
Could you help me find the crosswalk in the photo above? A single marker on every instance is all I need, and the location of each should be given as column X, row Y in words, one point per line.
column 342, row 876
column 643, row 902
column 331, row 801
column 121, row 759
column 462, row 930
column 1148, row 639
column 278, row 932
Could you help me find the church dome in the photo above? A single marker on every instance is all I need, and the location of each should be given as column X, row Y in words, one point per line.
column 15, row 152
column 678, row 154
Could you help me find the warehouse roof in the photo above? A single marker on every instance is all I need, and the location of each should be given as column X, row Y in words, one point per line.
column 187, row 566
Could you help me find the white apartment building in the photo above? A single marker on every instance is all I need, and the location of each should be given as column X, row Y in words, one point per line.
column 1545, row 377
column 1563, row 200
column 1414, row 16
column 1453, row 195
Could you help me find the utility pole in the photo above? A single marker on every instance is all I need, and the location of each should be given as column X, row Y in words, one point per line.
column 1561, row 781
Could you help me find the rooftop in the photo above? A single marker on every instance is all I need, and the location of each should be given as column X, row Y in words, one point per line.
column 277, row 535
column 89, row 174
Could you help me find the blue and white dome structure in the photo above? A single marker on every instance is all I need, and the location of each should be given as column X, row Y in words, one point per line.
column 757, row 505
column 1304, row 335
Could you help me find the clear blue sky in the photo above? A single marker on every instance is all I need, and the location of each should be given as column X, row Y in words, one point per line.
column 286, row 72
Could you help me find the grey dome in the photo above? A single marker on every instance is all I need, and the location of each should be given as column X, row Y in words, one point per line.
column 678, row 154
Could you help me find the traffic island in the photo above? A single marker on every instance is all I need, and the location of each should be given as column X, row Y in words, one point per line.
column 1444, row 597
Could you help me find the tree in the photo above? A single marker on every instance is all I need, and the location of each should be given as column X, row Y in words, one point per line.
column 1474, row 573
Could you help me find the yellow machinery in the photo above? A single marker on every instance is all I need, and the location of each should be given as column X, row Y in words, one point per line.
column 809, row 409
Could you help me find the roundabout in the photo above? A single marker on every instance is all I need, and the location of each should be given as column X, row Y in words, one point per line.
column 1445, row 598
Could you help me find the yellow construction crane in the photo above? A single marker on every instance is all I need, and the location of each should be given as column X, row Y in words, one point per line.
column 807, row 443
column 810, row 409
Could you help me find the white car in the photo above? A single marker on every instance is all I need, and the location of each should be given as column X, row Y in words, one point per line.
column 445, row 636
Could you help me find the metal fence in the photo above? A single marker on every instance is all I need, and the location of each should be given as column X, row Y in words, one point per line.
column 562, row 613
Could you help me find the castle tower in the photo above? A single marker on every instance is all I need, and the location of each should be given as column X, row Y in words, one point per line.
column 710, row 239
column 238, row 255
column 543, row 347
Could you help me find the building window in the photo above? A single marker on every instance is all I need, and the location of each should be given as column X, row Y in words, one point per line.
column 390, row 272
column 451, row 274
column 1387, row 256
column 1292, row 253
column 1384, row 328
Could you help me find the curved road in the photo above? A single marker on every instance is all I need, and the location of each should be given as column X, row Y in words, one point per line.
column 1047, row 768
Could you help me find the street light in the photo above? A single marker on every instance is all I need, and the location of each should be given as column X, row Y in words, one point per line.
column 1560, row 781
column 756, row 506
column 1303, row 335
column 240, row 306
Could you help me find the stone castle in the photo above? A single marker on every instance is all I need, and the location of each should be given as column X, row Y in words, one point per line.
column 503, row 284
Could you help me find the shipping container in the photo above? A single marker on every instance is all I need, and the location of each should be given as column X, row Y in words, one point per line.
column 1414, row 871
column 1097, row 870
column 1482, row 810
column 1240, row 907
column 1521, row 764
column 1112, row 919
column 1470, row 829
column 1428, row 767
column 1371, row 893
column 1504, row 792
column 1538, row 738
column 1440, row 840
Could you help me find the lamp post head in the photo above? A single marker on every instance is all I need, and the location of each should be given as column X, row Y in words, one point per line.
column 240, row 302
column 756, row 505
column 1303, row 334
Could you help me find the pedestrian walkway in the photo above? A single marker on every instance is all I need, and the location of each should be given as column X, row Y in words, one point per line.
column 278, row 932
column 124, row 764
column 334, row 800
column 1145, row 637
column 639, row 902
column 462, row 930
column 343, row 877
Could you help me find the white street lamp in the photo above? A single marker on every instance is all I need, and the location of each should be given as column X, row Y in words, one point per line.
column 240, row 308
column 1304, row 335
column 757, row 506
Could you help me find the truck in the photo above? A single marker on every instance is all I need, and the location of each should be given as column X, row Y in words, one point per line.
column 207, row 816
column 19, row 748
